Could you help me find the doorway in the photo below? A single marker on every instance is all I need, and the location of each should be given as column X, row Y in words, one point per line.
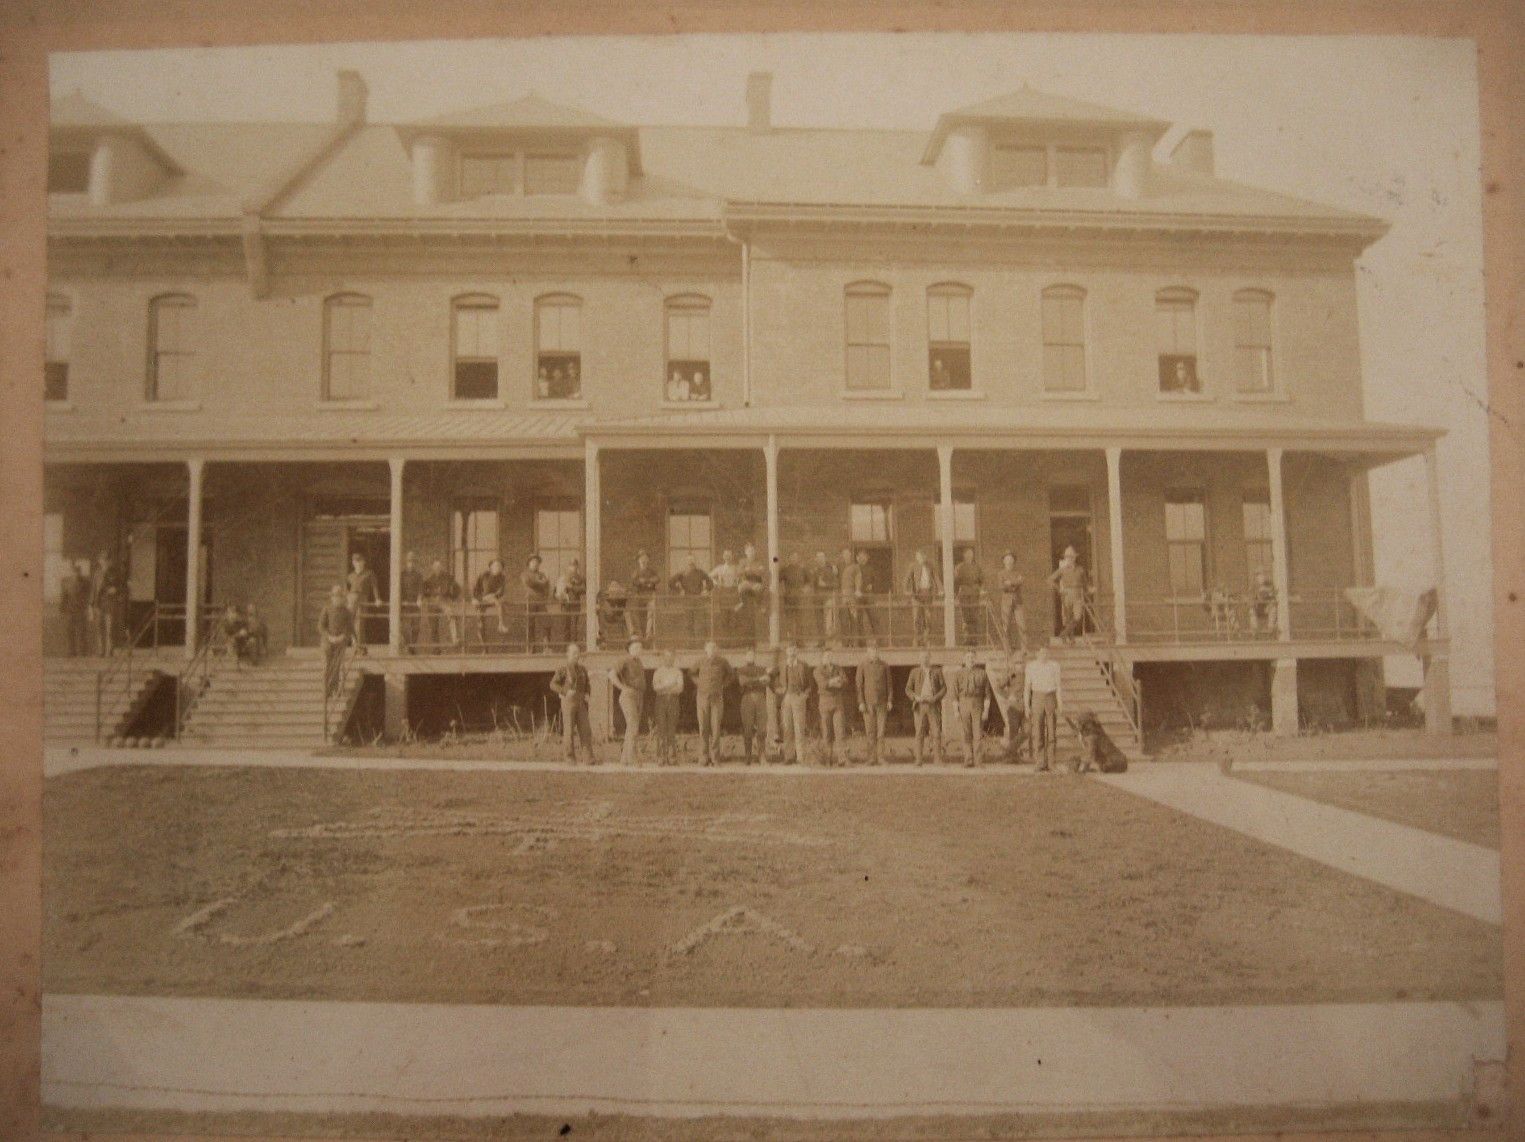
column 328, row 542
column 1069, row 525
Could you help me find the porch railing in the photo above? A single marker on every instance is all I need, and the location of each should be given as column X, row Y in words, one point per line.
column 1321, row 614
column 194, row 677
column 678, row 622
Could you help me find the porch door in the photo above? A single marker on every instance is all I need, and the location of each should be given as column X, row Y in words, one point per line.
column 327, row 545
column 1069, row 525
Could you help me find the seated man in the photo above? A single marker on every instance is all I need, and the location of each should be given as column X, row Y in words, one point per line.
column 257, row 640
column 232, row 634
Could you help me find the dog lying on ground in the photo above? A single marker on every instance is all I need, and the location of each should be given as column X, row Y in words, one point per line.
column 1097, row 750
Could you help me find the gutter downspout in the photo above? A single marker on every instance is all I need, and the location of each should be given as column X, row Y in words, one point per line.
column 746, row 316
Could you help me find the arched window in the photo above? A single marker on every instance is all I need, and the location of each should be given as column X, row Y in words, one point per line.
column 346, row 347
column 867, row 311
column 474, row 347
column 688, row 349
column 948, row 326
column 171, row 348
column 60, row 320
column 1064, row 341
column 1253, row 366
column 558, row 347
column 1175, row 323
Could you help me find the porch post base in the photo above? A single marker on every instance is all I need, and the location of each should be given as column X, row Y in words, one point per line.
column 395, row 708
column 1437, row 695
column 1284, row 697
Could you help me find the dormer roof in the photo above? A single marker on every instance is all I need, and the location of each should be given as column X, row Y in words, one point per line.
column 1026, row 107
column 76, row 119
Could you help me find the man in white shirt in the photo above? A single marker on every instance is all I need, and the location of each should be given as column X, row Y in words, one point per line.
column 1043, row 701
column 667, row 683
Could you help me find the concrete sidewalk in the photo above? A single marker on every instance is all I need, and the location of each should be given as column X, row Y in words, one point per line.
column 306, row 1057
column 1370, row 765
column 1454, row 874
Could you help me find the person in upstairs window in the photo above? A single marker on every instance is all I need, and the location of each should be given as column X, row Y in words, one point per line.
column 941, row 379
column 542, row 384
column 677, row 387
column 573, row 388
column 699, row 386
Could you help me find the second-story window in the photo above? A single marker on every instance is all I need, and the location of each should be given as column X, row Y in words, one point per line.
column 346, row 347
column 868, row 336
column 1252, row 342
column 474, row 345
column 60, row 317
column 558, row 348
column 1064, row 345
column 688, row 349
column 948, row 338
column 1175, row 320
column 171, row 348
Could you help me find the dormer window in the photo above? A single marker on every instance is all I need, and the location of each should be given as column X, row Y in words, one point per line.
column 68, row 172
column 484, row 173
column 1080, row 166
column 1013, row 165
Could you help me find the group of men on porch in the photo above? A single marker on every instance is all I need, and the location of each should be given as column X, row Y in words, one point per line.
column 822, row 602
column 775, row 704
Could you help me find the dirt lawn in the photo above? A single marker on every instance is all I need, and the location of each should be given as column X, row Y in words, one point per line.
column 744, row 889
column 1460, row 803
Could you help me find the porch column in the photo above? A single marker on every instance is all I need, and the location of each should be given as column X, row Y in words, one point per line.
column 770, row 463
column 1115, row 542
column 945, row 479
column 193, row 588
column 592, row 516
column 1284, row 719
column 1437, row 667
column 394, row 571
column 1279, row 572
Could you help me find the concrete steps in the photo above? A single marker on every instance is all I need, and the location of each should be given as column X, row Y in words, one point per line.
column 278, row 703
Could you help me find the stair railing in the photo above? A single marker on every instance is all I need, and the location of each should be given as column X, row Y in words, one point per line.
column 193, row 681
column 1115, row 669
column 336, row 699
column 122, row 666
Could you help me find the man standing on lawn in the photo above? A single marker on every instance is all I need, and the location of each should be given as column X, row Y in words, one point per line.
column 1008, row 681
column 571, row 684
column 336, row 630
column 971, row 689
column 667, row 685
column 752, row 680
column 794, row 690
column 925, row 689
column 875, row 700
column 1044, row 703
column 712, row 674
column 830, row 689
column 629, row 679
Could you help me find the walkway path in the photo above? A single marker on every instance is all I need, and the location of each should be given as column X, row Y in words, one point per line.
column 1448, row 872
column 232, row 1055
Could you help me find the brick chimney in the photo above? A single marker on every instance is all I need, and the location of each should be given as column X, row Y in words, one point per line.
column 760, row 100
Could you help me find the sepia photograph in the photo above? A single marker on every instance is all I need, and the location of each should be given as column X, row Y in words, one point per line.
column 771, row 586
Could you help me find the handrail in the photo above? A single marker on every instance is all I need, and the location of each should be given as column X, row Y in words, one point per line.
column 1115, row 669
column 346, row 658
column 123, row 665
column 196, row 671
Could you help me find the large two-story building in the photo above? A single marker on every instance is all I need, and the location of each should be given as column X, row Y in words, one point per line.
column 527, row 328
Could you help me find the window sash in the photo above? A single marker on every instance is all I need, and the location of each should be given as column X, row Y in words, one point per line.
column 558, row 327
column 476, row 331
column 348, row 365
column 869, row 522
column 1188, row 568
column 868, row 367
column 948, row 318
column 474, row 541
column 689, row 533
column 1176, row 326
column 965, row 520
column 558, row 538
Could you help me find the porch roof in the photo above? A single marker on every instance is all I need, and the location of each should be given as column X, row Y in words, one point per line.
column 368, row 433
column 1074, row 424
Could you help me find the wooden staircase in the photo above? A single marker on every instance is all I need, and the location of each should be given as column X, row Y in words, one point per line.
column 1085, row 687
column 277, row 704
column 69, row 695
